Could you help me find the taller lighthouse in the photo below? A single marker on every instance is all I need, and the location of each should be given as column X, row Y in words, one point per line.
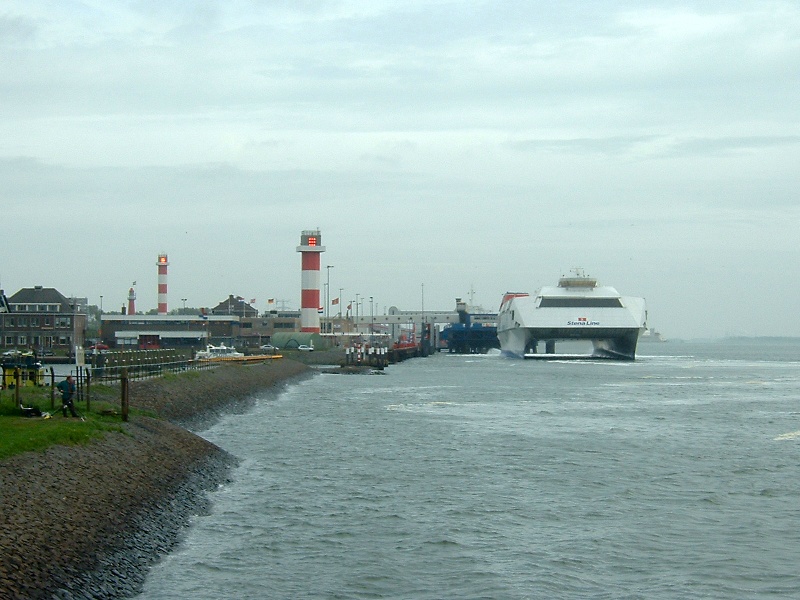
column 162, row 263
column 310, row 249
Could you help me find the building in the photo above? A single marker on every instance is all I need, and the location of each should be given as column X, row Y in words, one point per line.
column 234, row 306
column 41, row 318
column 131, row 332
column 255, row 331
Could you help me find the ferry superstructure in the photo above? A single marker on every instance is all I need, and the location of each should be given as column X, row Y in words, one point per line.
column 577, row 309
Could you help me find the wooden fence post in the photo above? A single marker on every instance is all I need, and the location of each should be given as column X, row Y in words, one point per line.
column 17, row 383
column 88, row 388
column 124, row 390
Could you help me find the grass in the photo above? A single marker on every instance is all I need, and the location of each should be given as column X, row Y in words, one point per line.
column 23, row 434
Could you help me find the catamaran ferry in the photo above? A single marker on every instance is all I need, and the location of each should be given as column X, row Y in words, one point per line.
column 577, row 309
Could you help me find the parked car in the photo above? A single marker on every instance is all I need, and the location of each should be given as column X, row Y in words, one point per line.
column 268, row 348
column 45, row 352
column 305, row 348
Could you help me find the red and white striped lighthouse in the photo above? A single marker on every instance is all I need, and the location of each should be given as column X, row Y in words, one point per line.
column 131, row 302
column 310, row 249
column 163, row 263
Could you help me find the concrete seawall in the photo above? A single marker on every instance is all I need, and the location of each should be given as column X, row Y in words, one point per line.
column 87, row 521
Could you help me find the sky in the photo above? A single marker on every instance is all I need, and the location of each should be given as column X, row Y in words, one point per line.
column 444, row 149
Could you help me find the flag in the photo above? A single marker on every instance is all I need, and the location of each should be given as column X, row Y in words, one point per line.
column 271, row 301
column 335, row 301
column 350, row 306
column 240, row 298
column 253, row 301
column 320, row 310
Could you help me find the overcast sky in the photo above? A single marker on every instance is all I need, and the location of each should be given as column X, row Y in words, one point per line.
column 445, row 149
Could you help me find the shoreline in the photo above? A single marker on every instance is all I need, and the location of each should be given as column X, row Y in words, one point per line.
column 88, row 521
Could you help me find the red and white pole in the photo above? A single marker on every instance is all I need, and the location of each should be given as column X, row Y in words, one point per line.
column 163, row 263
column 310, row 249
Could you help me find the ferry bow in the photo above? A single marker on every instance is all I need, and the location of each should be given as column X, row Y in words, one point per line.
column 576, row 309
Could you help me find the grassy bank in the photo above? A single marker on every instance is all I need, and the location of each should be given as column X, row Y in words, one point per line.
column 86, row 512
column 180, row 398
column 21, row 434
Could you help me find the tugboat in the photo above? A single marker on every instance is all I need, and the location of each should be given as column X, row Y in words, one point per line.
column 577, row 309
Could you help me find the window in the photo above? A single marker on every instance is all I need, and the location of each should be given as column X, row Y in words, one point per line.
column 22, row 321
column 580, row 303
column 9, row 340
column 10, row 322
column 34, row 322
column 22, row 340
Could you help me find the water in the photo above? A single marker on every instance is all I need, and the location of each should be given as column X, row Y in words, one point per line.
column 482, row 477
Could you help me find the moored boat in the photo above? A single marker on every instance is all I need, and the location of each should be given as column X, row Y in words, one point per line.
column 218, row 353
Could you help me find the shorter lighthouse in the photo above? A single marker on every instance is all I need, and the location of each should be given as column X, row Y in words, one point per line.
column 162, row 263
column 131, row 302
column 310, row 249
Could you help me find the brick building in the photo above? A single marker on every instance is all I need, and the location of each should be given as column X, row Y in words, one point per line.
column 41, row 318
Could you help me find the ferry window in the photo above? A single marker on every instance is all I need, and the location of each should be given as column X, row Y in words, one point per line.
column 580, row 303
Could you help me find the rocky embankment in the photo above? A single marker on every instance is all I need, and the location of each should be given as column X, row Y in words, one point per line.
column 87, row 521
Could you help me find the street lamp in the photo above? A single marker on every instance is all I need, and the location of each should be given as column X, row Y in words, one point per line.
column 328, row 298
column 184, row 304
column 371, row 318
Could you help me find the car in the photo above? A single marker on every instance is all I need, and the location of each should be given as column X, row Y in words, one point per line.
column 45, row 352
column 268, row 348
column 305, row 348
column 98, row 347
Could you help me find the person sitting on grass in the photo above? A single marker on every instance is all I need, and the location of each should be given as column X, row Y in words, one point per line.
column 67, row 389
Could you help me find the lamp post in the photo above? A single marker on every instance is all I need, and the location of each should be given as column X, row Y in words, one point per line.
column 328, row 299
column 371, row 318
column 184, row 304
column 341, row 290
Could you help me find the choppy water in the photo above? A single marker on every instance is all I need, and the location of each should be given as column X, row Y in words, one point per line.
column 483, row 477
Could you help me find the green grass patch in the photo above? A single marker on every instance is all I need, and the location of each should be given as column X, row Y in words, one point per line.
column 23, row 434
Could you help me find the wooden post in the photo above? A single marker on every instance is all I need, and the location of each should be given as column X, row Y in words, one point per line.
column 52, row 389
column 123, row 384
column 88, row 388
column 17, row 383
